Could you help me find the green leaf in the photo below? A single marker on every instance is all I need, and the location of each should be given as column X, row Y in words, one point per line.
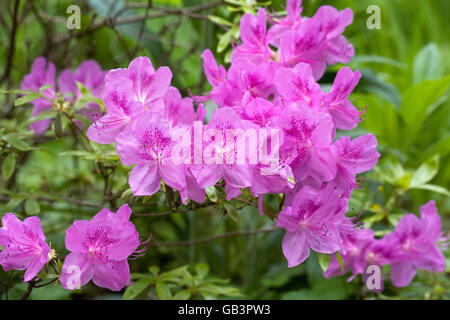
column 27, row 98
column 359, row 59
column 46, row 114
column 32, row 207
column 324, row 260
column 136, row 288
column 8, row 166
column 163, row 291
column 425, row 172
column 340, row 260
column 182, row 295
column 17, row 143
column 372, row 82
column 211, row 192
column 202, row 270
column 220, row 21
column 127, row 194
column 231, row 211
column 417, row 102
column 427, row 64
column 175, row 274
column 154, row 270
column 13, row 202
column 434, row 188
column 44, row 87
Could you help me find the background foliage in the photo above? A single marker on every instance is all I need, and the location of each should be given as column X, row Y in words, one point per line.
column 223, row 249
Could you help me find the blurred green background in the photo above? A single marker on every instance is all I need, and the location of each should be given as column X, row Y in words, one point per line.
column 405, row 66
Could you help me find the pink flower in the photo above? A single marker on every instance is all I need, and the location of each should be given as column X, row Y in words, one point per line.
column 313, row 222
column 253, row 32
column 42, row 73
column 353, row 247
column 127, row 93
column 344, row 113
column 298, row 84
column 179, row 111
column 245, row 81
column 307, row 142
column 89, row 73
column 99, row 250
column 333, row 23
column 121, row 107
column 149, row 86
column 24, row 245
column 353, row 157
column 292, row 21
column 414, row 243
column 147, row 143
column 214, row 73
column 305, row 45
column 222, row 161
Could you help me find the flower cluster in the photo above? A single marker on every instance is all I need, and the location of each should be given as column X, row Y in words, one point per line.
column 273, row 131
column 414, row 244
column 99, row 249
column 89, row 74
column 271, row 85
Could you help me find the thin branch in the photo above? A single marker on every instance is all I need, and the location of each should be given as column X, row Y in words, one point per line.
column 212, row 238
column 141, row 31
column 12, row 42
column 160, row 12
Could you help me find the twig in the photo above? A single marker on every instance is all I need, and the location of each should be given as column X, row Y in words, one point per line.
column 212, row 238
column 141, row 31
column 161, row 12
column 12, row 42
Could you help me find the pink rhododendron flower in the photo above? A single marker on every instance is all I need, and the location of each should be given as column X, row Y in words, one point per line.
column 89, row 74
column 129, row 92
column 179, row 111
column 213, row 72
column 359, row 249
column 149, row 86
column 333, row 22
column 414, row 244
column 42, row 73
column 292, row 21
column 24, row 246
column 147, row 143
column 312, row 222
column 353, row 157
column 121, row 107
column 344, row 113
column 307, row 141
column 99, row 250
column 253, row 32
column 298, row 85
column 222, row 161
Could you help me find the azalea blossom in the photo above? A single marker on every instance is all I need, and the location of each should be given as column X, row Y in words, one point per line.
column 99, row 250
column 24, row 245
column 128, row 93
column 311, row 222
column 353, row 157
column 147, row 143
column 344, row 113
column 88, row 73
column 415, row 245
